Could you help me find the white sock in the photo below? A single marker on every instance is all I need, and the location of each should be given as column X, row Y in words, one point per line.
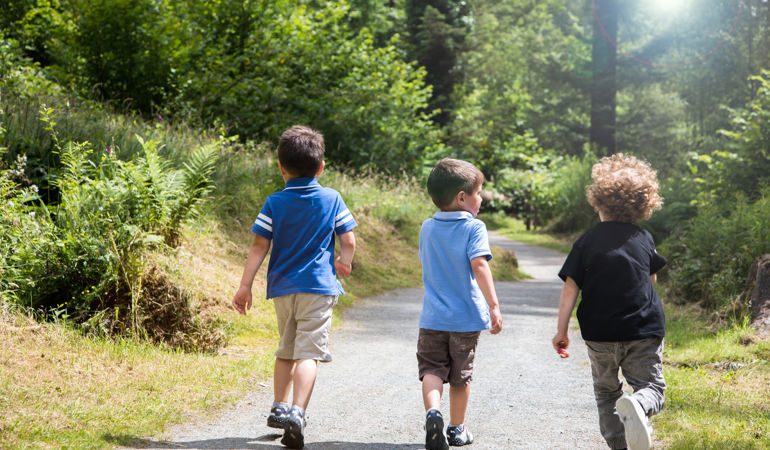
column 460, row 427
column 284, row 404
column 300, row 410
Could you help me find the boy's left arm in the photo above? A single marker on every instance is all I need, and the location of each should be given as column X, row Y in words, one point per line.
column 483, row 275
column 567, row 300
column 344, row 262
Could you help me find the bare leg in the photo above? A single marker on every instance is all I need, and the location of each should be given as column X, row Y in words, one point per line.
column 458, row 403
column 304, row 379
column 432, row 388
column 282, row 376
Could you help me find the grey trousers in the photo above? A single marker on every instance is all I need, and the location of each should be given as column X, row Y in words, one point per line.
column 641, row 362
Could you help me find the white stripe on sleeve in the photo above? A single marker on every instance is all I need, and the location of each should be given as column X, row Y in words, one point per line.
column 262, row 224
column 265, row 219
column 342, row 214
column 344, row 221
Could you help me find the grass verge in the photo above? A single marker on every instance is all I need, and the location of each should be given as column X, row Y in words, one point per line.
column 718, row 380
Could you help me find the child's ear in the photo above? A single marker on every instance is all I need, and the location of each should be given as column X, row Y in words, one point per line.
column 323, row 164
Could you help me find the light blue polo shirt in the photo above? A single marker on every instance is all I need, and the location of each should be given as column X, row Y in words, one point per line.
column 301, row 221
column 453, row 300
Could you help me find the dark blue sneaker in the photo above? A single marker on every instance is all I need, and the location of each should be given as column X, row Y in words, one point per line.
column 278, row 416
column 458, row 436
column 294, row 429
column 434, row 431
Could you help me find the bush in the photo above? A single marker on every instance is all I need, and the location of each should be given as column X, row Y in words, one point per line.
column 82, row 259
column 710, row 261
column 572, row 212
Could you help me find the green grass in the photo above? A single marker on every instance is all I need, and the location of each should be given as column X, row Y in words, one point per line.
column 710, row 403
column 516, row 230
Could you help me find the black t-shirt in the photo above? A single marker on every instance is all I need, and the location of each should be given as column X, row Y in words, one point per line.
column 612, row 263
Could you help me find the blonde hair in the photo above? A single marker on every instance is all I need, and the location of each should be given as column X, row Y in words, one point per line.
column 625, row 189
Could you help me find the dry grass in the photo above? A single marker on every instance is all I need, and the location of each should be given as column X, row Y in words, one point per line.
column 60, row 388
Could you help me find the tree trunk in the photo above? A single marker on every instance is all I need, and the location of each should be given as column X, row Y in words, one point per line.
column 604, row 87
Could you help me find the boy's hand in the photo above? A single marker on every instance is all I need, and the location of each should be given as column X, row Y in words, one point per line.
column 343, row 269
column 496, row 318
column 560, row 342
column 242, row 299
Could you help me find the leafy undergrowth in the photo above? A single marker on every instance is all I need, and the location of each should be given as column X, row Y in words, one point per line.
column 718, row 380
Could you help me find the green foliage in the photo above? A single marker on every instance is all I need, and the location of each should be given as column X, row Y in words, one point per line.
column 437, row 30
column 120, row 44
column 652, row 125
column 710, row 261
column 489, row 129
column 568, row 185
column 743, row 164
column 264, row 68
column 84, row 256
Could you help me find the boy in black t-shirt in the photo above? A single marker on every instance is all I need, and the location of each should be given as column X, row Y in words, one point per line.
column 620, row 314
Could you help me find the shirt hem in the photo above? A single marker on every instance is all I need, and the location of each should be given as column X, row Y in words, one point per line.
column 274, row 294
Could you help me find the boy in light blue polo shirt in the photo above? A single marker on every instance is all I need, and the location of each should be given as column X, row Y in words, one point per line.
column 460, row 298
column 301, row 223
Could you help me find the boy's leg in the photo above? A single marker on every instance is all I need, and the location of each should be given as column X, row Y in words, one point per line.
column 433, row 368
column 462, row 351
column 305, row 371
column 458, row 403
column 283, row 370
column 432, row 389
column 283, row 374
column 313, row 316
column 642, row 367
column 608, row 389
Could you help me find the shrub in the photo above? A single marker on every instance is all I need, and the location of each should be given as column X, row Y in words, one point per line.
column 82, row 259
column 710, row 261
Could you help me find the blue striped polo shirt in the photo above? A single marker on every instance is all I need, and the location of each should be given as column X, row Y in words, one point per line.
column 301, row 221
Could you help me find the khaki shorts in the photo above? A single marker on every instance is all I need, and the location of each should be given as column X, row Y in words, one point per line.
column 448, row 355
column 304, row 321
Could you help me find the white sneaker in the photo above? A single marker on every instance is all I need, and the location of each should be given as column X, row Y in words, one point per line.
column 635, row 423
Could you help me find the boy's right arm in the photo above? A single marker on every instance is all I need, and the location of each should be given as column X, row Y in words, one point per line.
column 483, row 275
column 344, row 262
column 257, row 253
column 569, row 294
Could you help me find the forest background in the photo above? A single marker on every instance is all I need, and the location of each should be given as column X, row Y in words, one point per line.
column 137, row 144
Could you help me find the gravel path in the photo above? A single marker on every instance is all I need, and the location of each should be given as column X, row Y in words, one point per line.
column 524, row 396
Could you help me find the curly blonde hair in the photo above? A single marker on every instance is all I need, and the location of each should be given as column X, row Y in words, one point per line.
column 625, row 189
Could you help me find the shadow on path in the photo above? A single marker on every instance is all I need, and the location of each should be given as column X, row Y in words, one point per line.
column 260, row 442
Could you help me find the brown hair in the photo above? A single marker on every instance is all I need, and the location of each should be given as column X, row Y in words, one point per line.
column 624, row 190
column 451, row 176
column 301, row 151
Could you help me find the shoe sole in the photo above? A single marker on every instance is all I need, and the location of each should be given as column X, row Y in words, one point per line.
column 292, row 435
column 631, row 414
column 434, row 434
column 275, row 422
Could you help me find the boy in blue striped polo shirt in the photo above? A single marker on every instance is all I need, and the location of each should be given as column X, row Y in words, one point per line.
column 301, row 222
column 460, row 298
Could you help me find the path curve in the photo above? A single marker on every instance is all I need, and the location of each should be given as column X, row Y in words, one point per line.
column 524, row 396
